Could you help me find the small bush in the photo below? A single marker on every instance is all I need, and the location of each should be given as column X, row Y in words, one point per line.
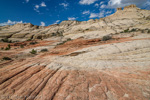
column 142, row 31
column 21, row 46
column 121, row 31
column 6, row 58
column 148, row 31
column 44, row 50
column 60, row 34
column 61, row 43
column 8, row 47
column 53, row 34
column 29, row 40
column 69, row 39
column 105, row 38
column 127, row 30
column 2, row 48
column 33, row 51
column 33, row 43
column 6, row 40
column 133, row 30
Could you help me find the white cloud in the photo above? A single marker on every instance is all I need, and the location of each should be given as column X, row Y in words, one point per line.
column 97, row 15
column 87, row 2
column 96, row 5
column 72, row 18
column 65, row 5
column 147, row 5
column 94, row 15
column 108, row 12
column 37, row 6
column 36, row 10
column 42, row 24
column 57, row 21
column 101, row 2
column 103, row 6
column 43, row 4
column 122, row 3
column 86, row 12
column 9, row 22
column 27, row 1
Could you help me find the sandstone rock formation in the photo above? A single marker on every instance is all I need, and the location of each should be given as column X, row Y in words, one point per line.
column 79, row 63
column 129, row 17
column 118, row 9
column 80, row 69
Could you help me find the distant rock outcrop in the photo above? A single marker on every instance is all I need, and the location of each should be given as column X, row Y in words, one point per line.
column 130, row 6
column 118, row 9
column 123, row 19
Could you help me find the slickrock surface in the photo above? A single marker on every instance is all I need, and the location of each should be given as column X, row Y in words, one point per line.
column 118, row 69
column 82, row 68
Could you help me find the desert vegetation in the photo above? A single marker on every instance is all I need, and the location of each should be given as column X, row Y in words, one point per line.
column 106, row 38
column 6, row 40
column 33, row 51
column 69, row 39
column 6, row 58
column 8, row 47
column 33, row 42
column 21, row 46
column 44, row 50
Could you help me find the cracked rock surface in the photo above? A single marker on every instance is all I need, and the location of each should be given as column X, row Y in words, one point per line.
column 116, row 70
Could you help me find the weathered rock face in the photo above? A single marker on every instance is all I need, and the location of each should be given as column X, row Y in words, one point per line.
column 131, row 16
column 118, row 9
column 68, row 23
column 80, row 69
column 130, row 6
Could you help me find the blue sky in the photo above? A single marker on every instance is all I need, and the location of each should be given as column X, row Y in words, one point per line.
column 47, row 12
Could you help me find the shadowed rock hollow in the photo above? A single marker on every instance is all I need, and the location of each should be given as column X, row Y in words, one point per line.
column 85, row 67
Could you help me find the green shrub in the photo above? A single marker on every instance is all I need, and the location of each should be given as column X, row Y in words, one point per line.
column 33, row 43
column 60, row 34
column 69, row 39
column 8, row 47
column 133, row 30
column 6, row 40
column 105, row 38
column 127, row 30
column 44, row 50
column 57, row 34
column 21, row 46
column 53, row 34
column 33, row 51
column 2, row 48
column 29, row 40
column 148, row 31
column 142, row 31
column 121, row 31
column 6, row 58
column 61, row 43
